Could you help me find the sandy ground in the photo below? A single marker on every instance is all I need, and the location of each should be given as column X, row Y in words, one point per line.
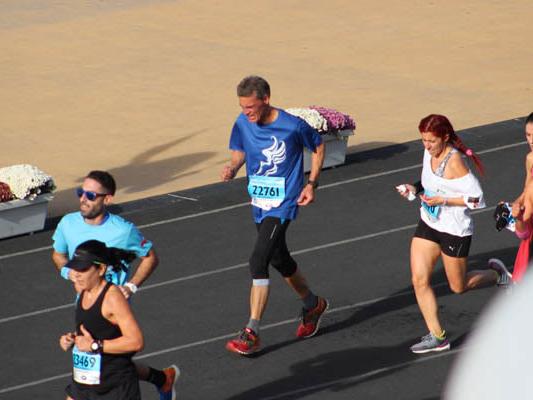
column 146, row 89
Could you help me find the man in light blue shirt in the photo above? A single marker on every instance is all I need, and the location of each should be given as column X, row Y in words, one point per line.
column 93, row 221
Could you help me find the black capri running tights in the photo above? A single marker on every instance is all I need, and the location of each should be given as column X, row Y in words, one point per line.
column 271, row 248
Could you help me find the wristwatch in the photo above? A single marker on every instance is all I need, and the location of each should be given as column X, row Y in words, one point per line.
column 132, row 287
column 97, row 346
column 314, row 184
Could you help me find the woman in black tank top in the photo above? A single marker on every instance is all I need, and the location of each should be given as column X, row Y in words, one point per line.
column 107, row 334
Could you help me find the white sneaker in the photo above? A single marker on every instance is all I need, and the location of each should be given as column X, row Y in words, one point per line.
column 429, row 343
column 504, row 276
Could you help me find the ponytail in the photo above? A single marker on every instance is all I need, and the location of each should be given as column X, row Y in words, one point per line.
column 456, row 142
column 116, row 258
column 110, row 256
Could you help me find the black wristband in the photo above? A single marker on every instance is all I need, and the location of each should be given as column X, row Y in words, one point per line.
column 97, row 347
column 314, row 184
column 418, row 187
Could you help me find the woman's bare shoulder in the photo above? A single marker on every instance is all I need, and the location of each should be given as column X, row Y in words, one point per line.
column 457, row 166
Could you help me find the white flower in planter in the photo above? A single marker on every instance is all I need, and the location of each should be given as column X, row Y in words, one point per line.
column 26, row 181
column 312, row 117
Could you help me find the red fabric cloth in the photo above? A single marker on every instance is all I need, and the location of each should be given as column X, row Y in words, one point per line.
column 522, row 260
column 522, row 256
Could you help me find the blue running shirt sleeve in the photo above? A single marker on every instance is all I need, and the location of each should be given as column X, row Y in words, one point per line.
column 235, row 140
column 309, row 136
column 274, row 158
column 114, row 232
column 60, row 244
column 136, row 242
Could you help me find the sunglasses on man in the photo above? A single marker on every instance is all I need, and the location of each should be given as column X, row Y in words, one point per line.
column 89, row 195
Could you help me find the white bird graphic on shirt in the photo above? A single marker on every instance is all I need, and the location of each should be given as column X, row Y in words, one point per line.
column 275, row 155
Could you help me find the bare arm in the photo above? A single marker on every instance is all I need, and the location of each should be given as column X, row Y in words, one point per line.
column 438, row 200
column 529, row 165
column 237, row 161
column 144, row 270
column 59, row 259
column 66, row 341
column 116, row 309
column 527, row 202
column 523, row 227
column 317, row 160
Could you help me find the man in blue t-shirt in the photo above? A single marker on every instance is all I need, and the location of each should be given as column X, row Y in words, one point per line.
column 271, row 142
column 93, row 221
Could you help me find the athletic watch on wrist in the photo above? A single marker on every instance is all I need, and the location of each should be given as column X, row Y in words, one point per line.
column 132, row 287
column 314, row 184
column 97, row 346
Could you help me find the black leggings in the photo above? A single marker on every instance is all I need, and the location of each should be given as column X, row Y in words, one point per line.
column 271, row 248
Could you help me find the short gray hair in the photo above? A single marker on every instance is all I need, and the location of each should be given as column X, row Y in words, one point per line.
column 253, row 85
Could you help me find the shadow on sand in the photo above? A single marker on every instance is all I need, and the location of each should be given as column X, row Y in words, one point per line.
column 144, row 171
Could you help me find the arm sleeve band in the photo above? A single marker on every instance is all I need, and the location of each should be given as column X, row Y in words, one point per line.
column 418, row 186
column 64, row 273
column 526, row 234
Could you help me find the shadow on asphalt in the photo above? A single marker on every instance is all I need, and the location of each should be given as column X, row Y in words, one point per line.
column 335, row 372
column 402, row 298
column 339, row 370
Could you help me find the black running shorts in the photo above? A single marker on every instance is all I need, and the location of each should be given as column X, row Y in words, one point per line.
column 128, row 389
column 451, row 245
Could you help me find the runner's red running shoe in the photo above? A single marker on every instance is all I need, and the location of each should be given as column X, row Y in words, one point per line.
column 168, row 391
column 310, row 321
column 246, row 343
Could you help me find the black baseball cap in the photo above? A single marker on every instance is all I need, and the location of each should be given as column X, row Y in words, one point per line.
column 83, row 259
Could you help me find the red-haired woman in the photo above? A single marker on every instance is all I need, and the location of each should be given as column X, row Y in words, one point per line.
column 449, row 191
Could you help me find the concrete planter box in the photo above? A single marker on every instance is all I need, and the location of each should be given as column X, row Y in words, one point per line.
column 335, row 154
column 23, row 216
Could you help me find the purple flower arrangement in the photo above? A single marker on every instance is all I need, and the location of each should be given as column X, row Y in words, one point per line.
column 336, row 120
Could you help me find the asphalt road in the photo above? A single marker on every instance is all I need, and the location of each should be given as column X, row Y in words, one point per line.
column 353, row 246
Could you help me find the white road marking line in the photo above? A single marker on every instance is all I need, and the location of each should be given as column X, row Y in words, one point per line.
column 176, row 348
column 218, row 210
column 23, row 253
column 38, row 312
column 217, row 338
column 233, row 267
column 181, row 197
